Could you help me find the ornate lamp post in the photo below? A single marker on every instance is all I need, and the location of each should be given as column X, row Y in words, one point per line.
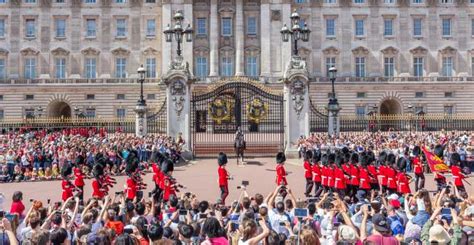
column 333, row 105
column 296, row 32
column 39, row 111
column 410, row 110
column 140, row 109
column 178, row 31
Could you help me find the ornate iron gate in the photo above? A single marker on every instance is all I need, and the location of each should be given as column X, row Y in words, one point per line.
column 318, row 120
column 156, row 122
column 218, row 112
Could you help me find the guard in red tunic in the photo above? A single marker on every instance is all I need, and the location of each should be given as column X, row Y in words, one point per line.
column 346, row 167
column 316, row 169
column 97, row 189
column 439, row 177
column 456, row 170
column 324, row 172
column 168, row 181
column 157, row 158
column 223, row 176
column 308, row 173
column 418, row 169
column 79, row 181
column 374, row 183
column 364, row 181
column 280, row 169
column 330, row 171
column 403, row 180
column 354, row 175
column 391, row 174
column 68, row 187
column 132, row 185
column 339, row 176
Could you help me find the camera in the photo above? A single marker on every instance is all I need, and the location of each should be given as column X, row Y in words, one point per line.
column 118, row 193
column 183, row 212
column 244, row 184
column 301, row 212
column 202, row 216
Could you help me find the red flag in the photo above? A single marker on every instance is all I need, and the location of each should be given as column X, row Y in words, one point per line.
column 436, row 164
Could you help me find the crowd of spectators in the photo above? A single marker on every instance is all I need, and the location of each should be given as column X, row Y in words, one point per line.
column 32, row 155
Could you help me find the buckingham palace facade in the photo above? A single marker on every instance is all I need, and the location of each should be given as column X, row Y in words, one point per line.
column 391, row 55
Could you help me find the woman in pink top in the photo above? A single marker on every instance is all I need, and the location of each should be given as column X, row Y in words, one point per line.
column 17, row 206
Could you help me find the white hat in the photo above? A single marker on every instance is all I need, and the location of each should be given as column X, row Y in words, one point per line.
column 439, row 234
column 393, row 197
column 347, row 233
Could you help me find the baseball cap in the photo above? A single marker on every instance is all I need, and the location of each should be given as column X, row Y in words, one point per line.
column 381, row 223
column 395, row 203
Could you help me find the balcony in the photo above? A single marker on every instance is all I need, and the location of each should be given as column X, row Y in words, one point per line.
column 19, row 81
column 393, row 79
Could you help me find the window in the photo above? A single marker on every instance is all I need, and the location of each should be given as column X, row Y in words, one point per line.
column 472, row 27
column 417, row 1
column 330, row 27
column 419, row 109
column 388, row 27
column 59, row 1
column 201, row 26
column 30, row 68
column 120, row 1
column 359, row 1
column 150, row 96
column 448, row 109
column 360, row 66
column 30, row 1
column 389, row 66
column 330, row 62
column 3, row 73
column 91, row 28
column 252, row 25
column 29, row 97
column 389, row 1
column 90, row 1
column 121, row 28
column 151, row 67
column 360, row 94
column 90, row 68
column 60, row 68
column 2, row 114
column 150, row 1
column 60, row 28
column 120, row 96
column 90, row 96
column 252, row 66
column 3, row 1
column 121, row 112
column 417, row 27
column 1, row 97
column 300, row 1
column 360, row 110
column 226, row 29
column 418, row 66
column 2, row 28
column 90, row 112
column 446, row 1
column 329, row 1
column 448, row 94
column 447, row 66
column 30, row 28
column 201, row 67
column 359, row 28
column 227, row 67
column 120, row 67
column 472, row 66
column 419, row 94
column 446, row 27
column 30, row 113
column 150, row 27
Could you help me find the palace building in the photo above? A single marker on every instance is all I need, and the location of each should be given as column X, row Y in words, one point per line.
column 392, row 56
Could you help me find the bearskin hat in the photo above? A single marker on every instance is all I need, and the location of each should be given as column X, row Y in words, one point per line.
column 98, row 170
column 382, row 157
column 66, row 170
column 167, row 166
column 364, row 160
column 347, row 157
column 222, row 158
column 345, row 150
column 355, row 158
column 316, row 156
column 79, row 160
column 339, row 159
column 308, row 155
column 391, row 159
column 156, row 156
column 324, row 159
column 402, row 164
column 331, row 158
column 280, row 157
column 455, row 159
column 438, row 151
column 100, row 159
column 416, row 151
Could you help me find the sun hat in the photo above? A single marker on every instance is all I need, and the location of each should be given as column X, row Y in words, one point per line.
column 439, row 234
column 347, row 233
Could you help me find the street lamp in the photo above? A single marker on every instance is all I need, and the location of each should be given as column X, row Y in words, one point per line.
column 141, row 78
column 410, row 110
column 333, row 106
column 332, row 77
column 296, row 32
column 178, row 31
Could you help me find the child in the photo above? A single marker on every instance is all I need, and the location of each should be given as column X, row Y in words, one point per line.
column 40, row 174
column 55, row 172
column 27, row 174
column 18, row 174
column 34, row 174
column 48, row 173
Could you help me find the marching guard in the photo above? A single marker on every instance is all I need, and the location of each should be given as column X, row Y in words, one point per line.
column 223, row 176
column 403, row 180
column 308, row 172
column 439, row 177
column 66, row 184
column 456, row 170
column 418, row 169
column 280, row 169
column 316, row 169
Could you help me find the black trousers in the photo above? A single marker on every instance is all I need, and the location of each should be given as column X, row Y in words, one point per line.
column 224, row 193
column 419, row 181
column 318, row 188
column 309, row 186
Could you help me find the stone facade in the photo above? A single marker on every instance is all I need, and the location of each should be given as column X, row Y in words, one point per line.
column 389, row 53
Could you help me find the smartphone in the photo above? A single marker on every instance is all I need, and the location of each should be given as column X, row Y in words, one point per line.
column 49, row 201
column 2, row 214
column 301, row 212
column 183, row 212
column 234, row 226
column 202, row 216
column 282, row 224
column 245, row 182
column 369, row 208
column 446, row 211
column 150, row 194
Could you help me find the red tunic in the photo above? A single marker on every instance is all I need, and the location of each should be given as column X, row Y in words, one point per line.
column 372, row 173
column 331, row 178
column 354, row 172
column 281, row 175
column 168, row 188
column 391, row 175
column 339, row 179
column 308, row 172
column 316, row 173
column 417, row 166
column 403, row 185
column 97, row 192
column 347, row 169
column 324, row 176
column 68, row 188
column 131, row 188
column 383, row 175
column 222, row 176
column 458, row 176
column 364, row 182
column 156, row 174
column 79, row 181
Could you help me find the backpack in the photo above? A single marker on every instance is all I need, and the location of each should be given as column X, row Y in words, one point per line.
column 396, row 225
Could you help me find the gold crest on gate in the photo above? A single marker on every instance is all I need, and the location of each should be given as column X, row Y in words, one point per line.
column 220, row 110
column 257, row 110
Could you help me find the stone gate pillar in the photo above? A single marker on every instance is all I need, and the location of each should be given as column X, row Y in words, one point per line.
column 296, row 93
column 178, row 82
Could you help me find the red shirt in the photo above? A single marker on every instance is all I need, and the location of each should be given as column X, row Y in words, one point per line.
column 383, row 175
column 417, row 166
column 391, row 175
column 308, row 172
column 17, row 208
column 403, row 185
column 97, row 192
column 156, row 174
column 79, row 181
column 281, row 175
column 67, row 189
column 339, row 179
column 354, row 172
column 331, row 179
column 324, row 176
column 316, row 173
column 131, row 188
column 458, row 176
column 364, row 182
column 222, row 176
column 347, row 168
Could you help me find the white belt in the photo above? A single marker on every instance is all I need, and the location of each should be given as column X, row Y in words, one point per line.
column 353, row 176
column 338, row 178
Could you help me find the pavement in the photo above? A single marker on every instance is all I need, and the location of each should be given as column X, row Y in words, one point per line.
column 199, row 177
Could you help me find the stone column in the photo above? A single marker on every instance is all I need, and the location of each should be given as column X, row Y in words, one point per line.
column 265, row 40
column 166, row 51
column 214, row 40
column 140, row 120
column 239, row 39
column 333, row 117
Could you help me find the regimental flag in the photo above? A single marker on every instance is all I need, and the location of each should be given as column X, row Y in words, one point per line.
column 436, row 164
